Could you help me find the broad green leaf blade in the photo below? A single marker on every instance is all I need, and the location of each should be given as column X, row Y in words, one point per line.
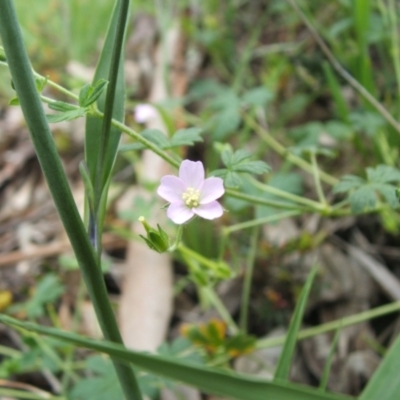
column 210, row 380
column 285, row 360
column 385, row 383
column 94, row 125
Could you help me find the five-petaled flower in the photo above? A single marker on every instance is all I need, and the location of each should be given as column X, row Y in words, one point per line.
column 190, row 194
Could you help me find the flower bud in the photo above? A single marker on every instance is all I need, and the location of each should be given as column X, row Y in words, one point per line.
column 157, row 239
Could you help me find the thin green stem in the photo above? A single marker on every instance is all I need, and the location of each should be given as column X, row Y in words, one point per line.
column 289, row 196
column 248, row 276
column 265, row 202
column 317, row 180
column 333, row 325
column 221, row 309
column 46, row 151
column 149, row 145
column 177, row 241
column 283, row 152
column 198, row 257
column 23, row 394
column 260, row 221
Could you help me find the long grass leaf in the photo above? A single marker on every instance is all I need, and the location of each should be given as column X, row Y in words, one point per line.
column 285, row 359
column 210, row 380
column 385, row 383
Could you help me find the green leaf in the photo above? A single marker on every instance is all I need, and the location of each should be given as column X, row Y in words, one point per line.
column 186, row 137
column 384, row 384
column 103, row 386
column 383, row 174
column 257, row 97
column 285, row 359
column 62, row 106
column 66, row 116
column 253, row 167
column 157, row 137
column 207, row 379
column 48, row 290
column 388, row 192
column 347, row 183
column 367, row 121
column 363, row 199
column 90, row 93
column 339, row 130
column 94, row 125
column 226, row 122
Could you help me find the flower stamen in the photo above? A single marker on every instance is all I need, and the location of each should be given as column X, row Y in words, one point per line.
column 191, row 197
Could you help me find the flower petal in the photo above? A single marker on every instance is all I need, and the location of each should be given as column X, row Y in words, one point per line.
column 210, row 210
column 179, row 213
column 192, row 173
column 171, row 188
column 212, row 189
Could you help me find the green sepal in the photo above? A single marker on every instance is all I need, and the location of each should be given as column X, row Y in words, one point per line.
column 157, row 239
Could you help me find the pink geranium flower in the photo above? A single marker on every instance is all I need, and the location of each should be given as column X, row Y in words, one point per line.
column 190, row 194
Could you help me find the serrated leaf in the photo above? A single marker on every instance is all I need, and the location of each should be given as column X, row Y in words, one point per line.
column 257, row 97
column 383, row 174
column 232, row 179
column 339, row 130
column 239, row 156
column 363, row 199
column 347, row 183
column 62, row 106
column 66, row 116
column 186, row 137
column 157, row 137
column 388, row 192
column 253, row 167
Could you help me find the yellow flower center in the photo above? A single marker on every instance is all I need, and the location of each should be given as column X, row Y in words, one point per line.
column 191, row 197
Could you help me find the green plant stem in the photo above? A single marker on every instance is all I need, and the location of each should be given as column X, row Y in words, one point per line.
column 343, row 73
column 265, row 202
column 317, row 180
column 177, row 241
column 333, row 325
column 248, row 276
column 45, row 148
column 23, row 394
column 150, row 145
column 289, row 196
column 283, row 152
column 9, row 352
column 259, row 221
column 198, row 257
column 221, row 309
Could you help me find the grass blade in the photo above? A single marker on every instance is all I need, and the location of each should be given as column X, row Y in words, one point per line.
column 102, row 139
column 210, row 380
column 385, row 383
column 285, row 360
